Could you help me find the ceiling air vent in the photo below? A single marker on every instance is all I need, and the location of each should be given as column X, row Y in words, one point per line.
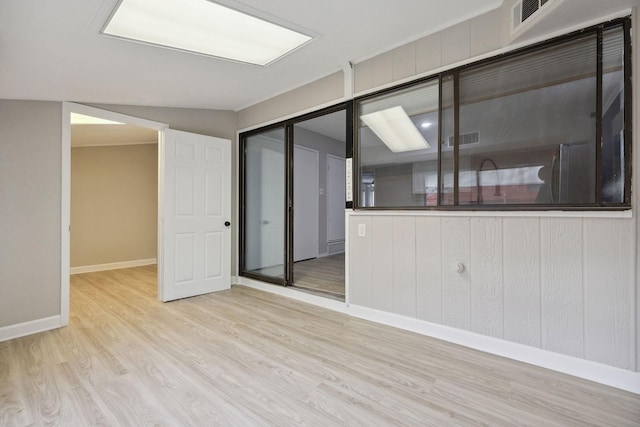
column 523, row 10
column 465, row 139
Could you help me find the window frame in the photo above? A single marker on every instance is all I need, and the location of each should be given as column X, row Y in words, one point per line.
column 599, row 205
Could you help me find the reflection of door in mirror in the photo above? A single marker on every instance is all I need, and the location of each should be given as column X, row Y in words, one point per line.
column 367, row 189
column 272, row 252
column 305, row 203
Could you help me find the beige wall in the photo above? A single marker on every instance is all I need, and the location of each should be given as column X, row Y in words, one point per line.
column 114, row 204
column 30, row 174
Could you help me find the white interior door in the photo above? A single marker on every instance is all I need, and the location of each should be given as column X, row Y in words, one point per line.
column 195, row 191
column 305, row 203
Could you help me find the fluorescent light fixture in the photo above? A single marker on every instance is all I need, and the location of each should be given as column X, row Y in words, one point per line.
column 204, row 27
column 81, row 119
column 394, row 127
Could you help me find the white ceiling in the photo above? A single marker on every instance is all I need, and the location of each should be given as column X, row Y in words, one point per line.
column 52, row 50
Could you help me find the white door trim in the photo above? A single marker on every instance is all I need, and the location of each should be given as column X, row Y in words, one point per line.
column 65, row 202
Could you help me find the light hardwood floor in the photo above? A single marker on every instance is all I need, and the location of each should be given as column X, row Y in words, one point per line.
column 325, row 274
column 244, row 357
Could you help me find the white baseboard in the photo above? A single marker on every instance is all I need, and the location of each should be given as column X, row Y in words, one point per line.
column 28, row 328
column 112, row 266
column 575, row 366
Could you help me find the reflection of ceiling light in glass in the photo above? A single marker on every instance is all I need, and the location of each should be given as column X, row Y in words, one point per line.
column 81, row 119
column 204, row 27
column 425, row 125
column 394, row 127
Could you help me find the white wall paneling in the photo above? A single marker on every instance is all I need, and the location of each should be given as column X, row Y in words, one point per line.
column 360, row 262
column 429, row 269
column 404, row 62
column 404, row 266
column 486, row 276
column 380, row 235
column 521, row 280
column 608, row 291
column 456, row 43
column 429, row 53
column 456, row 286
column 560, row 284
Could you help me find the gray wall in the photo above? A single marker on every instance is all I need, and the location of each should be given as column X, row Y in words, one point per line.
column 30, row 175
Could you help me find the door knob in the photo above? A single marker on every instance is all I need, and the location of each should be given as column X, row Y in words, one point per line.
column 227, row 223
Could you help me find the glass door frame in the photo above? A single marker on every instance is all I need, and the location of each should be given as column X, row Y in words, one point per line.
column 288, row 202
column 242, row 212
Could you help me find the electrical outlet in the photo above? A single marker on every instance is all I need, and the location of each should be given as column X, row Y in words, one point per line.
column 362, row 230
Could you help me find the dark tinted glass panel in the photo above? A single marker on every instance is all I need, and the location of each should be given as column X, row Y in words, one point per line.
column 398, row 137
column 264, row 239
column 528, row 128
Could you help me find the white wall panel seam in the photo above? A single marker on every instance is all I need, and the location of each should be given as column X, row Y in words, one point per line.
column 502, row 278
column 441, row 276
column 416, row 279
column 585, row 307
column 542, row 342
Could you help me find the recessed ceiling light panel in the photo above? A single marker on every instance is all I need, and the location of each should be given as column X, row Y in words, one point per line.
column 203, row 27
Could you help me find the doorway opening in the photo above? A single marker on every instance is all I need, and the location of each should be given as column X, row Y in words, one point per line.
column 109, row 194
column 114, row 195
column 193, row 209
column 319, row 203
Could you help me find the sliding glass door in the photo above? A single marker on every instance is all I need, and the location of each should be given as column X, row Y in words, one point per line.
column 264, row 213
column 292, row 200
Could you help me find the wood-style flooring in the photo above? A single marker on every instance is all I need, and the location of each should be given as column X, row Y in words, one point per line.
column 325, row 274
column 248, row 358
